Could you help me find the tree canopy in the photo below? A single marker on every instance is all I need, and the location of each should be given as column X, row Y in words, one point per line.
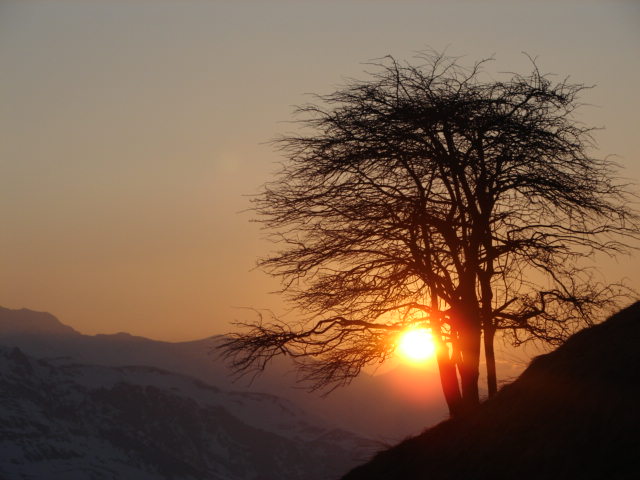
column 434, row 195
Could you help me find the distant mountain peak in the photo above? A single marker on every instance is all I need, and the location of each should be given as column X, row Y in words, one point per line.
column 395, row 413
column 25, row 321
column 123, row 336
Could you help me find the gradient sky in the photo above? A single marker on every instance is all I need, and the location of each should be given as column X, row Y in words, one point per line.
column 130, row 131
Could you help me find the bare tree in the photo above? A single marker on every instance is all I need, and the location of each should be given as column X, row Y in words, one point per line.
column 433, row 195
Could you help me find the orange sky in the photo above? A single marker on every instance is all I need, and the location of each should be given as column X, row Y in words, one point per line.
column 130, row 131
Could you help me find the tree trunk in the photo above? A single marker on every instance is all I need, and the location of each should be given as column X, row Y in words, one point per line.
column 490, row 356
column 462, row 395
column 470, row 368
column 449, row 379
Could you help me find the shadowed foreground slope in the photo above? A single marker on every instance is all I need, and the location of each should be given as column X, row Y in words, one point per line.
column 573, row 413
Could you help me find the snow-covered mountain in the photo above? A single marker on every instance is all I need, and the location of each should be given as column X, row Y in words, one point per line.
column 69, row 421
column 386, row 407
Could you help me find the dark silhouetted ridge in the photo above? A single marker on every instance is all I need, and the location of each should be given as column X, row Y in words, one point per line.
column 573, row 413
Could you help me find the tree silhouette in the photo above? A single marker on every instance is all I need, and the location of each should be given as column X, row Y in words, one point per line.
column 435, row 196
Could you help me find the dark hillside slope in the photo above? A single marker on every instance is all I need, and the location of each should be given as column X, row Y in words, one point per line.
column 573, row 413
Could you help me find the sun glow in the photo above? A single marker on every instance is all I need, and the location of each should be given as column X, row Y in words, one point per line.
column 416, row 345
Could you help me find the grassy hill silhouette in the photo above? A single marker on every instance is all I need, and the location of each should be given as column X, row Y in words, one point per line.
column 573, row 413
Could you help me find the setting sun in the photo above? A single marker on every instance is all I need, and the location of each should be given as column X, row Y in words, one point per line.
column 416, row 345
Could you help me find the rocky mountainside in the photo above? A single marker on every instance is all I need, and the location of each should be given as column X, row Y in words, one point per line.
column 573, row 413
column 67, row 422
column 406, row 401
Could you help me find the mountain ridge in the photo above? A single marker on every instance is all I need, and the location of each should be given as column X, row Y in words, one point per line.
column 26, row 321
column 62, row 422
column 394, row 416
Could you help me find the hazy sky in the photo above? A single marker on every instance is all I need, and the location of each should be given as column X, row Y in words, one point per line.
column 130, row 131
